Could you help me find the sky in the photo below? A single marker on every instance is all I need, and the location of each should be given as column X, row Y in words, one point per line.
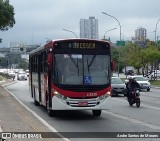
column 40, row 20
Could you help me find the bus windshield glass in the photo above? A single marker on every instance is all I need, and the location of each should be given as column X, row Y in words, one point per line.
column 81, row 69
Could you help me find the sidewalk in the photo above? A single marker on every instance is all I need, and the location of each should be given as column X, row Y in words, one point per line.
column 15, row 118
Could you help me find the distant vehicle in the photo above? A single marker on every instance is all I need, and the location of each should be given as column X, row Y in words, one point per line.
column 118, row 87
column 2, row 71
column 27, row 72
column 155, row 74
column 16, row 70
column 21, row 75
column 142, row 81
column 129, row 72
column 11, row 74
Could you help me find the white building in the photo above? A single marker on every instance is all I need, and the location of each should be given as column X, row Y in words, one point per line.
column 89, row 28
column 140, row 34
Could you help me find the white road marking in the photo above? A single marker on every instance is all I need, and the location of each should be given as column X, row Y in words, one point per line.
column 152, row 126
column 133, row 120
column 150, row 107
column 38, row 117
column 1, row 129
column 107, row 112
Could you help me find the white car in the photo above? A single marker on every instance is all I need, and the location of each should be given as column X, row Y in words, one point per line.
column 21, row 76
column 27, row 72
column 11, row 74
column 144, row 83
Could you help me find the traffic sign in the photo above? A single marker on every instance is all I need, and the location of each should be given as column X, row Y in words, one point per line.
column 158, row 42
column 120, row 43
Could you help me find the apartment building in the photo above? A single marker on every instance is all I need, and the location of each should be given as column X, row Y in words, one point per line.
column 89, row 28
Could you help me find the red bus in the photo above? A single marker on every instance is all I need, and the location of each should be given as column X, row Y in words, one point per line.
column 71, row 74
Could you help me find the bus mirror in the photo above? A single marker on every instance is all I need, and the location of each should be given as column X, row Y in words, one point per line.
column 113, row 65
column 49, row 59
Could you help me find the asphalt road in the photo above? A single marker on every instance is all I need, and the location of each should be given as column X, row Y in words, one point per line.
column 119, row 118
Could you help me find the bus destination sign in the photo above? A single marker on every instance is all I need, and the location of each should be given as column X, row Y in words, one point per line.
column 82, row 45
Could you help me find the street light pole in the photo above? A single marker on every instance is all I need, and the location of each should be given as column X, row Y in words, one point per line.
column 156, row 40
column 120, row 34
column 108, row 31
column 116, row 20
column 156, row 30
column 71, row 32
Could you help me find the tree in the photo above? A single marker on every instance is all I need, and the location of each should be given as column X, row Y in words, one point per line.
column 134, row 56
column 7, row 19
column 3, row 62
column 23, row 64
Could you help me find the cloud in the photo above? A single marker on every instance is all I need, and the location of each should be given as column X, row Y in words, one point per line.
column 37, row 20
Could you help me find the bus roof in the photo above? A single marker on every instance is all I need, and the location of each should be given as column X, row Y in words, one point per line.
column 51, row 42
column 76, row 39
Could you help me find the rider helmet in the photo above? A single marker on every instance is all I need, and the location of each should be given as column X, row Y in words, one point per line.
column 130, row 78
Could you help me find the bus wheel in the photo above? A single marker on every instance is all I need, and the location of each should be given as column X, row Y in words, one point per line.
column 50, row 112
column 36, row 103
column 96, row 113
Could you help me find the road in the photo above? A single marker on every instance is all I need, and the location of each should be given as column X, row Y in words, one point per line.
column 119, row 118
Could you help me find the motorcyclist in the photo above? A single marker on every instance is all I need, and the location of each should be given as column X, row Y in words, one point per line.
column 13, row 77
column 131, row 85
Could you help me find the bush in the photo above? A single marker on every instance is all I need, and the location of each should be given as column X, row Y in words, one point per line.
column 5, row 76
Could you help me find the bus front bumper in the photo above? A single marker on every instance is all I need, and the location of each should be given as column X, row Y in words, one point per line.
column 80, row 104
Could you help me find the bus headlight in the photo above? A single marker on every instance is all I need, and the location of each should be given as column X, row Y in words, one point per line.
column 57, row 94
column 105, row 95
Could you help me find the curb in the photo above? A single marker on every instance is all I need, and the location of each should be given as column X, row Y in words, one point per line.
column 48, row 126
column 2, row 81
column 157, row 87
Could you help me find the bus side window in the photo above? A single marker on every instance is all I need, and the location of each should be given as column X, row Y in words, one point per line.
column 42, row 62
column 45, row 61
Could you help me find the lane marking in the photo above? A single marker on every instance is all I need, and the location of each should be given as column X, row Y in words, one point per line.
column 107, row 112
column 38, row 117
column 144, row 105
column 1, row 129
column 152, row 126
column 133, row 120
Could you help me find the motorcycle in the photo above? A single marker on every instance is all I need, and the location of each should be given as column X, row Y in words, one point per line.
column 134, row 98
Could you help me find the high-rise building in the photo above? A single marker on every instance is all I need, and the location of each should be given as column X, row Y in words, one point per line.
column 140, row 34
column 89, row 28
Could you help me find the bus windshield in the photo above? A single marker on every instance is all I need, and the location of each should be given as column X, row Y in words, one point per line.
column 78, row 69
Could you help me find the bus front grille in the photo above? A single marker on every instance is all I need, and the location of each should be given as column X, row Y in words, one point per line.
column 82, row 102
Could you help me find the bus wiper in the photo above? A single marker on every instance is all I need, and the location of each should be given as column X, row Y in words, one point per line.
column 88, row 67
column 93, row 58
column 76, row 64
column 72, row 60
